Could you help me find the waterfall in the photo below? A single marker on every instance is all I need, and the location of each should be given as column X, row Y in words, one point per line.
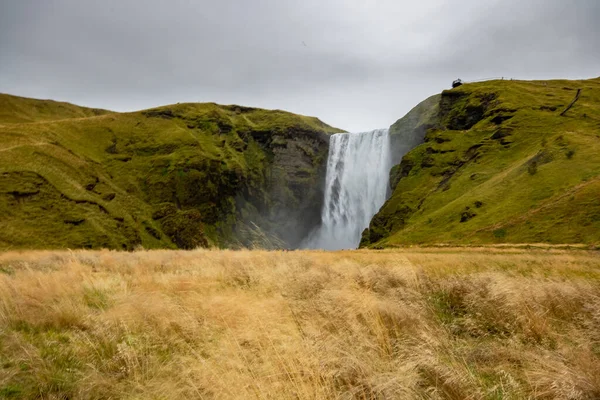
column 358, row 168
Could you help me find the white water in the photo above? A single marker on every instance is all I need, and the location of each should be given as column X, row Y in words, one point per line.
column 358, row 169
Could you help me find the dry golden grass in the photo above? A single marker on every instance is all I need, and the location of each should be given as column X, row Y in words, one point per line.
column 408, row 324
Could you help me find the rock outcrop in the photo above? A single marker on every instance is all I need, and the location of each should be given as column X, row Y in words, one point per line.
column 294, row 187
column 409, row 131
column 184, row 175
column 498, row 164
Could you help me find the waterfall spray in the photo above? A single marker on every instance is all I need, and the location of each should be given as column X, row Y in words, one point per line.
column 358, row 168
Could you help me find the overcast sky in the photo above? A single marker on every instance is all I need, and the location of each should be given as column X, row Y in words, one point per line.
column 357, row 65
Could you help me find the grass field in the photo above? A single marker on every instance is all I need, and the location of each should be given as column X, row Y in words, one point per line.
column 417, row 323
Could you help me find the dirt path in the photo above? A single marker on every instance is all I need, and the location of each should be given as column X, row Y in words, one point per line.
column 23, row 145
column 6, row 125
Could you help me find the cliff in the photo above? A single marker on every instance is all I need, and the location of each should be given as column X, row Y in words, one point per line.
column 501, row 162
column 184, row 175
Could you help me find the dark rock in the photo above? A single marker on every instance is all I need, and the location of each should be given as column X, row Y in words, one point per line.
column 459, row 111
column 92, row 185
column 184, row 228
column 383, row 224
column 427, row 162
column 400, row 171
column 501, row 133
column 411, row 130
column 76, row 221
column 548, row 108
column 293, row 193
column 112, row 149
column 155, row 233
column 499, row 119
column 109, row 196
column 467, row 215
column 162, row 113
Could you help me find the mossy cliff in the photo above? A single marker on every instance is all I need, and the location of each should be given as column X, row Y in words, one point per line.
column 185, row 175
column 409, row 131
column 501, row 162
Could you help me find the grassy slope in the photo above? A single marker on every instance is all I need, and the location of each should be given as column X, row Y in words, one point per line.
column 14, row 109
column 394, row 324
column 152, row 177
column 521, row 173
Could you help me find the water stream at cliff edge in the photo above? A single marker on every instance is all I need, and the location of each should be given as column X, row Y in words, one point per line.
column 357, row 180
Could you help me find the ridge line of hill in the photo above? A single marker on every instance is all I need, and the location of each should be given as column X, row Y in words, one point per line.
column 496, row 162
column 183, row 175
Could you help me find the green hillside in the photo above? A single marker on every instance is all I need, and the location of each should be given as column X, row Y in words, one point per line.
column 501, row 163
column 14, row 109
column 185, row 175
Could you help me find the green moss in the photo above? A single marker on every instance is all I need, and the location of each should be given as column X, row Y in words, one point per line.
column 88, row 178
column 505, row 145
column 184, row 228
column 408, row 131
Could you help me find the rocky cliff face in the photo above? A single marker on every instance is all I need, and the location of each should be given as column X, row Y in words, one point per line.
column 273, row 197
column 409, row 131
column 501, row 162
column 185, row 175
column 292, row 199
column 405, row 134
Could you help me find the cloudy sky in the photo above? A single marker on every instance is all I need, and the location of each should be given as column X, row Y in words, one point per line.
column 356, row 64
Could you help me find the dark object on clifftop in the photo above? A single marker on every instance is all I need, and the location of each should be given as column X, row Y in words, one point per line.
column 457, row 83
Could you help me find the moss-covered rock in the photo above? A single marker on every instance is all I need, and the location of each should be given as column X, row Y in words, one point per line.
column 218, row 167
column 36, row 215
column 499, row 164
column 184, row 228
column 409, row 131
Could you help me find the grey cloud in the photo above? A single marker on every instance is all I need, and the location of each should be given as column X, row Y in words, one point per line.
column 355, row 64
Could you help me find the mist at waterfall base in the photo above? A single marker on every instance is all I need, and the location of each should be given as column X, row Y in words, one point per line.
column 356, row 187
